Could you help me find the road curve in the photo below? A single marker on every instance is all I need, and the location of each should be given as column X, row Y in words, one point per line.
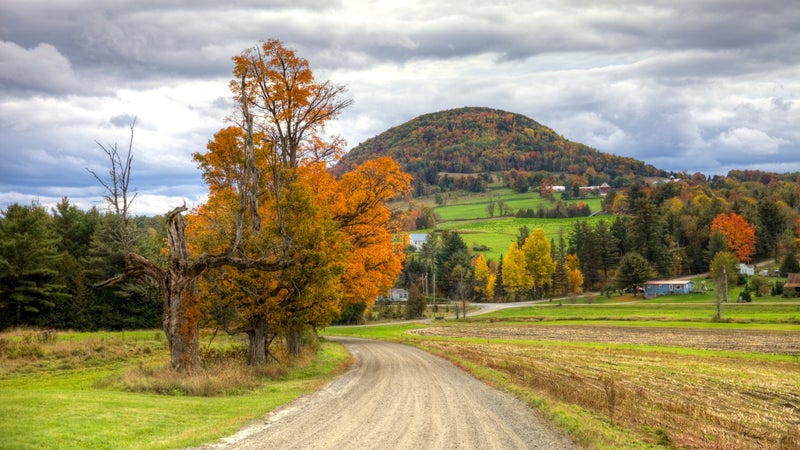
column 398, row 397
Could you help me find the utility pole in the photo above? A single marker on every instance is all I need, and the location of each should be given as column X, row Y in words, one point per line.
column 724, row 296
column 435, row 308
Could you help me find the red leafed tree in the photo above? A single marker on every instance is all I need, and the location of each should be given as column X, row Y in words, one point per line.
column 740, row 234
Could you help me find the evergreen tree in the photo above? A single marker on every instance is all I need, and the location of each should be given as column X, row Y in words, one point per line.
column 607, row 248
column 789, row 265
column 129, row 304
column 522, row 235
column 582, row 244
column 619, row 230
column 633, row 270
column 499, row 288
column 74, row 228
column 772, row 223
column 716, row 243
column 416, row 303
column 647, row 237
column 28, row 266
column 452, row 253
column 560, row 275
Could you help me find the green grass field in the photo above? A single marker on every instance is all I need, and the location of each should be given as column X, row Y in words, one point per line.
column 66, row 395
column 467, row 214
column 474, row 206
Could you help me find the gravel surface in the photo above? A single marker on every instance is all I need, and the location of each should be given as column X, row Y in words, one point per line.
column 399, row 397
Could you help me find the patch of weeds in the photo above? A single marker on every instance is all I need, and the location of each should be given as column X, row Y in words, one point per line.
column 23, row 350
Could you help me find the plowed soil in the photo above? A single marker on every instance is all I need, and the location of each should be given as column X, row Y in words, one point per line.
column 756, row 341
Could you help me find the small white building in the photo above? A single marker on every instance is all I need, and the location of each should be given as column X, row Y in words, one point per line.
column 416, row 240
column 744, row 269
column 395, row 295
column 398, row 294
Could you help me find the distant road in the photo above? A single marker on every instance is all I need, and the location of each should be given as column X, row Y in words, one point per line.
column 399, row 397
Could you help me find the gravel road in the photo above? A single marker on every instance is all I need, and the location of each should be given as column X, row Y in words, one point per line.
column 399, row 397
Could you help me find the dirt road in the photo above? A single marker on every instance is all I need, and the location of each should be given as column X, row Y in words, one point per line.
column 399, row 397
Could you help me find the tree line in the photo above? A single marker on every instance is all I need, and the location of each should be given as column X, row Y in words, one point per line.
column 664, row 230
column 50, row 261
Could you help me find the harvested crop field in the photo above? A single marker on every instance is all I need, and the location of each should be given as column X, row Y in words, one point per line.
column 693, row 401
column 739, row 340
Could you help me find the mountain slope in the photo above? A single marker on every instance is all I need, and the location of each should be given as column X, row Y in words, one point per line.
column 475, row 140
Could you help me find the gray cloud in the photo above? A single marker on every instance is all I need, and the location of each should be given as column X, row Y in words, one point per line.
column 686, row 85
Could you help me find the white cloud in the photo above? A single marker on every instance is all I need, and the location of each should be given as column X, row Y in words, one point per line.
column 748, row 142
column 41, row 69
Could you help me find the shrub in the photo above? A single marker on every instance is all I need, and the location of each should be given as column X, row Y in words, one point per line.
column 23, row 350
column 760, row 286
column 777, row 288
column 210, row 356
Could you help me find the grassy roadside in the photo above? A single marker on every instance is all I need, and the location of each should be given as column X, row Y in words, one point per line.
column 632, row 395
column 69, row 396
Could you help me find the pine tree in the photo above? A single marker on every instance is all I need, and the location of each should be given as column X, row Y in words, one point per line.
column 789, row 265
column 28, row 265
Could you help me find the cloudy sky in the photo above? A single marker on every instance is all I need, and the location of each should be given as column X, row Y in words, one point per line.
column 695, row 85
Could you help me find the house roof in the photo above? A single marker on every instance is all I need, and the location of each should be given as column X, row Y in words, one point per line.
column 793, row 280
column 661, row 282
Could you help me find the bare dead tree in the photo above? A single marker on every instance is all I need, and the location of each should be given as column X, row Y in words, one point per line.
column 178, row 284
column 117, row 185
column 178, row 280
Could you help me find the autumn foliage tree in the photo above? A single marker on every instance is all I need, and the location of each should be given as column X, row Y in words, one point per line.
column 482, row 277
column 739, row 234
column 516, row 281
column 270, row 172
column 574, row 275
column 252, row 175
column 539, row 263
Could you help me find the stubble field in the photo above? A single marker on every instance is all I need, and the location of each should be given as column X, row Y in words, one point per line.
column 663, row 387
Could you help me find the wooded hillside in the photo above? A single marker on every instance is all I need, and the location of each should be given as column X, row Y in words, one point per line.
column 480, row 140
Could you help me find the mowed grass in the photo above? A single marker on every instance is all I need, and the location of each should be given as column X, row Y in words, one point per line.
column 610, row 395
column 474, row 206
column 467, row 214
column 497, row 234
column 69, row 396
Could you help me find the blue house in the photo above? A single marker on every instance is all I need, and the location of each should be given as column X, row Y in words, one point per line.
column 653, row 289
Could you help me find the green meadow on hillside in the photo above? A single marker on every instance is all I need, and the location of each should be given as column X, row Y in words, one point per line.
column 468, row 215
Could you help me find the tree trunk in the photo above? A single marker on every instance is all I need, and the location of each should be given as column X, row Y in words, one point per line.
column 178, row 284
column 257, row 350
column 181, row 318
column 294, row 340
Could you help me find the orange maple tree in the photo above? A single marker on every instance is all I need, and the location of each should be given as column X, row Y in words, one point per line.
column 739, row 234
